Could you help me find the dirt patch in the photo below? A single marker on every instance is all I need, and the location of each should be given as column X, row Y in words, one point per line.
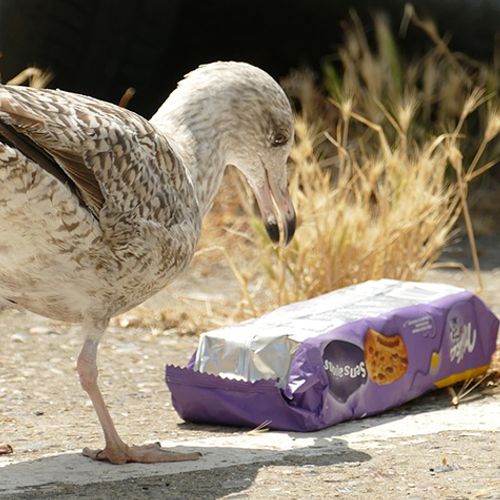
column 43, row 411
column 416, row 469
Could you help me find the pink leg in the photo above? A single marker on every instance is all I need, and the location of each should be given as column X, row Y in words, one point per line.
column 116, row 451
column 5, row 449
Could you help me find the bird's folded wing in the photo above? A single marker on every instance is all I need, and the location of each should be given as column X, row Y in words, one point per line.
column 96, row 146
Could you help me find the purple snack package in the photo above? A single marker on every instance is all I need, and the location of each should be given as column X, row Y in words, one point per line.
column 347, row 354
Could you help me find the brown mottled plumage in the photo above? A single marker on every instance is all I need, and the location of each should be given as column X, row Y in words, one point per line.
column 100, row 208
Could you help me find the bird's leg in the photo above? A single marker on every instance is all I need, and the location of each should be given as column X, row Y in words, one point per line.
column 116, row 451
column 5, row 449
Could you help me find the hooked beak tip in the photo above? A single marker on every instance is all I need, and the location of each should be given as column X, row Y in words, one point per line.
column 275, row 203
column 290, row 229
column 273, row 231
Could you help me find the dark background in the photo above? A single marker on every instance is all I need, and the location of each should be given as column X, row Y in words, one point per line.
column 101, row 47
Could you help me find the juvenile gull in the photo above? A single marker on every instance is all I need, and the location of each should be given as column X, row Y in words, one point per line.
column 100, row 208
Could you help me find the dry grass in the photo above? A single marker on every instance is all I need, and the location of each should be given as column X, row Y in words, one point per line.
column 34, row 77
column 380, row 169
column 380, row 174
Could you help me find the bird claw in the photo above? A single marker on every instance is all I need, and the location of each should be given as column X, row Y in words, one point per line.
column 148, row 454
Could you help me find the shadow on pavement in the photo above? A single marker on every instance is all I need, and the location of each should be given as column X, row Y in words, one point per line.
column 220, row 472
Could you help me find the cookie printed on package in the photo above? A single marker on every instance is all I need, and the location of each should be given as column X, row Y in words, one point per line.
column 347, row 354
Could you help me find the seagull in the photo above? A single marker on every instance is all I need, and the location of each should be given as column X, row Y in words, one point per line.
column 101, row 208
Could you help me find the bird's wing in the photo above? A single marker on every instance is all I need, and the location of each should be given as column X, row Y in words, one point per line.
column 110, row 157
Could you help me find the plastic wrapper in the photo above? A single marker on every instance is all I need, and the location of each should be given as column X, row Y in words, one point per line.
column 347, row 354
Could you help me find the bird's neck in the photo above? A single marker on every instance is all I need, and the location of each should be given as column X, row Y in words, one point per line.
column 196, row 139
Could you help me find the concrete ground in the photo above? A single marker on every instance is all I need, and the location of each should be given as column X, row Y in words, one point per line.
column 423, row 450
column 426, row 449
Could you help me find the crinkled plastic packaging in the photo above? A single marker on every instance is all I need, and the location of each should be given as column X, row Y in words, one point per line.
column 347, row 354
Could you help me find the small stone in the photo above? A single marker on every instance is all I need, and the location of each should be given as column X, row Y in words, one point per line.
column 446, row 468
column 344, row 489
column 40, row 330
column 19, row 337
column 6, row 449
column 237, row 483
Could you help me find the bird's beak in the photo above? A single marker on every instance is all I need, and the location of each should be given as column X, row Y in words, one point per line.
column 275, row 203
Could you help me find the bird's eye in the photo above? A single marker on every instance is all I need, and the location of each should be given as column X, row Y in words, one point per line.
column 279, row 138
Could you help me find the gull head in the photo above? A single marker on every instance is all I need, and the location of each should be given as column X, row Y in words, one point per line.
column 253, row 120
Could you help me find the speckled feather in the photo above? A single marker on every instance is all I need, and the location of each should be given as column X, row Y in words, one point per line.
column 134, row 227
column 122, row 216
